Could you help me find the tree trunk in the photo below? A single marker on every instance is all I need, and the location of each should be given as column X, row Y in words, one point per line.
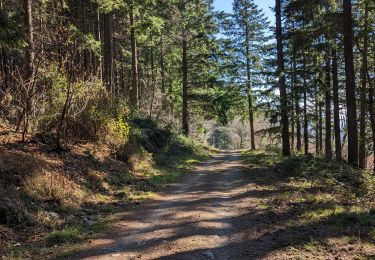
column 306, row 122
column 30, row 54
column 328, row 99
column 84, row 30
column 296, row 103
column 134, row 93
column 29, row 71
column 372, row 114
column 185, row 120
column 162, row 69
column 249, row 91
column 320, row 127
column 317, row 135
column 336, row 105
column 363, row 107
column 350, row 84
column 108, row 52
column 292, row 119
column 282, row 87
column 99, row 38
column 153, row 82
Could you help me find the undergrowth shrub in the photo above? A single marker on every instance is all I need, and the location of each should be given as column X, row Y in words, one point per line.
column 151, row 136
column 145, row 139
column 332, row 172
column 92, row 115
column 54, row 187
column 83, row 95
column 105, row 121
column 115, row 132
column 67, row 235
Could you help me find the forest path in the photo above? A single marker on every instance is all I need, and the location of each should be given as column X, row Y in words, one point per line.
column 213, row 213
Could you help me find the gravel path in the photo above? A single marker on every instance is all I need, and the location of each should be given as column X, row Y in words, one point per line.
column 223, row 210
column 201, row 217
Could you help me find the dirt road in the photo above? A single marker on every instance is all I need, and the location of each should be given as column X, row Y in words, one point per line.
column 220, row 211
column 198, row 218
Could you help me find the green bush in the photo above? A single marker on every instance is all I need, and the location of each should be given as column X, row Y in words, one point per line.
column 151, row 136
column 116, row 133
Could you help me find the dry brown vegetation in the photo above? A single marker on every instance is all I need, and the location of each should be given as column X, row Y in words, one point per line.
column 48, row 198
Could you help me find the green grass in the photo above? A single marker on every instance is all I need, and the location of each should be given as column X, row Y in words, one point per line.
column 321, row 213
column 261, row 158
column 311, row 245
column 67, row 235
column 140, row 195
column 77, row 233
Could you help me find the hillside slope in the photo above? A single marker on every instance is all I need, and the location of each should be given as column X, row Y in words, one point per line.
column 49, row 199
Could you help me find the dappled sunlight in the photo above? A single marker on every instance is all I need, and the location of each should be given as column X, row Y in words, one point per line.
column 227, row 211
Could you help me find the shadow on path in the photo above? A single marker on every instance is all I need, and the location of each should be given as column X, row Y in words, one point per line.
column 220, row 211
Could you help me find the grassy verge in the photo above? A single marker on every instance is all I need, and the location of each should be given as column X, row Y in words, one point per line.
column 328, row 205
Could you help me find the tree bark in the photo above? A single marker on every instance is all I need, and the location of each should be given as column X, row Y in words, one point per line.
column 296, row 102
column 350, row 84
column 98, row 36
column 29, row 71
column 84, row 30
column 134, row 93
column 282, row 86
column 363, row 107
column 30, row 54
column 328, row 99
column 317, row 135
column 372, row 115
column 321, row 127
column 162, row 69
column 336, row 105
column 249, row 91
column 306, row 122
column 153, row 82
column 108, row 52
column 185, row 120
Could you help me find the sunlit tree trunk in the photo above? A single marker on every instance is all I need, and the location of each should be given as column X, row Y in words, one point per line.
column 249, row 93
column 282, row 86
column 134, row 93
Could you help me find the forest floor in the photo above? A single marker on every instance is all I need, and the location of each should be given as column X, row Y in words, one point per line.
column 235, row 206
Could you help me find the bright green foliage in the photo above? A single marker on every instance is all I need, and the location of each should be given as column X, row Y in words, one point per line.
column 117, row 131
